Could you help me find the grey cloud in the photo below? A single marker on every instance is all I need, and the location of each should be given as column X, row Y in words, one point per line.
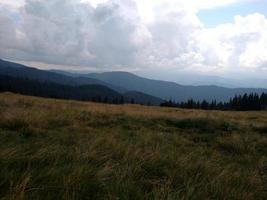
column 69, row 32
column 73, row 33
column 112, row 34
column 7, row 34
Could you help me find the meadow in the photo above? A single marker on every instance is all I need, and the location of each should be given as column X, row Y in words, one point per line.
column 59, row 149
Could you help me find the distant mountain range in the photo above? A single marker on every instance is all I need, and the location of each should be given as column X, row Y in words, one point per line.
column 55, row 90
column 170, row 90
column 196, row 79
column 18, row 70
column 223, row 82
column 126, row 84
column 31, row 81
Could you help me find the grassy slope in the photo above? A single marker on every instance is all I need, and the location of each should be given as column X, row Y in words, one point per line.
column 52, row 149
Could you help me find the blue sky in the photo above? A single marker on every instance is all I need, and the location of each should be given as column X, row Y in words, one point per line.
column 216, row 16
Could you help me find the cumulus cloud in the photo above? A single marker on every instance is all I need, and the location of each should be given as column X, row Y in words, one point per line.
column 117, row 33
column 74, row 33
column 13, row 4
column 241, row 45
column 7, row 31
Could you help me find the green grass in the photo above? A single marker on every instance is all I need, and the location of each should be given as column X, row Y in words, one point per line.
column 53, row 149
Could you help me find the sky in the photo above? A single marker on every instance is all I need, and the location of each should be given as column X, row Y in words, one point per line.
column 159, row 37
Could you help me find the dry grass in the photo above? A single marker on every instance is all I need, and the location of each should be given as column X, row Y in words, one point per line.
column 54, row 149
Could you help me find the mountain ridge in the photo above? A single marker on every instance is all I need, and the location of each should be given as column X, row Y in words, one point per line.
column 98, row 93
column 18, row 70
column 168, row 89
column 123, row 82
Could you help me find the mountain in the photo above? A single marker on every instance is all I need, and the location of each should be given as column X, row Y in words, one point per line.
column 97, row 93
column 31, row 81
column 55, row 90
column 17, row 70
column 167, row 90
column 255, row 83
column 142, row 98
column 4, row 63
column 196, row 79
column 123, row 82
column 225, row 82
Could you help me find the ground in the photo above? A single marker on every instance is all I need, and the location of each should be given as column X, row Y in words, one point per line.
column 58, row 149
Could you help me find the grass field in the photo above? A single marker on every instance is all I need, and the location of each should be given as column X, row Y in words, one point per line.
column 53, row 149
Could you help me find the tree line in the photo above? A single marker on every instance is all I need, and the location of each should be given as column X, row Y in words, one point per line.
column 245, row 102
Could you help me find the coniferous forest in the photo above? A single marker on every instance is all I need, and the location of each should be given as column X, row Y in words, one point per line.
column 246, row 102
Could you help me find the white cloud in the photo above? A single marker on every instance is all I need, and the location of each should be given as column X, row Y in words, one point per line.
column 132, row 34
column 73, row 33
column 13, row 3
column 238, row 46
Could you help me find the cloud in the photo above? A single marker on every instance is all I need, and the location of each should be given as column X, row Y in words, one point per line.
column 13, row 4
column 241, row 45
column 7, row 31
column 120, row 34
column 73, row 33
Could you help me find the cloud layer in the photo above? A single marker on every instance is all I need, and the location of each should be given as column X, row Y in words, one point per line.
column 119, row 33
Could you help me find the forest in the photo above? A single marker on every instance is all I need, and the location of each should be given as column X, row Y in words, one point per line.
column 246, row 102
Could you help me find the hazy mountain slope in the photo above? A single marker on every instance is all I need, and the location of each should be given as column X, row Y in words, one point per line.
column 4, row 63
column 196, row 79
column 17, row 70
column 166, row 90
column 228, row 82
column 55, row 90
column 123, row 82
column 98, row 93
column 142, row 98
